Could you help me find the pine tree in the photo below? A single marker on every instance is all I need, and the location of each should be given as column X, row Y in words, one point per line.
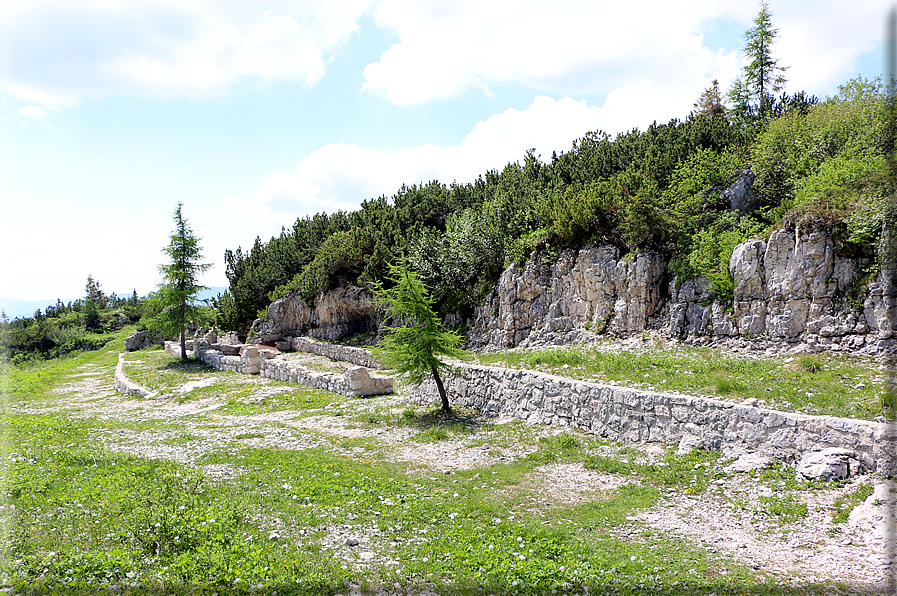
column 414, row 347
column 753, row 93
column 177, row 295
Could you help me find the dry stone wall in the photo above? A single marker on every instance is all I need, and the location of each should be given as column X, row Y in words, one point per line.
column 124, row 385
column 634, row 415
column 355, row 382
column 358, row 356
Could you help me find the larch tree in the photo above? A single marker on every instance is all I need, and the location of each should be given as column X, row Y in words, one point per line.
column 710, row 103
column 178, row 293
column 414, row 344
column 92, row 298
column 753, row 93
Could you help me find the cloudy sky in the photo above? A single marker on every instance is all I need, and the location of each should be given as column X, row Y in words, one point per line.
column 254, row 114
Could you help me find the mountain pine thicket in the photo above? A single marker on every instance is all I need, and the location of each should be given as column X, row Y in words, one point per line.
column 815, row 163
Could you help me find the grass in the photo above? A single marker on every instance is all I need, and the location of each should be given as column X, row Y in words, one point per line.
column 81, row 519
column 844, row 504
column 838, row 385
column 691, row 472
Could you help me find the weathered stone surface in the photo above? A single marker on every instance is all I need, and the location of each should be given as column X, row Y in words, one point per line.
column 748, row 462
column 834, row 463
column 141, row 339
column 740, row 193
column 624, row 414
column 337, row 313
column 589, row 289
column 746, row 267
column 789, row 294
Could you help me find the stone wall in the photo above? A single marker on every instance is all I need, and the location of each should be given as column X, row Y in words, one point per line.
column 355, row 382
column 124, row 385
column 633, row 415
column 790, row 294
column 358, row 356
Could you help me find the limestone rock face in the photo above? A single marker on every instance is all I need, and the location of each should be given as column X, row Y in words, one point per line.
column 790, row 292
column 337, row 313
column 141, row 339
column 546, row 299
column 740, row 194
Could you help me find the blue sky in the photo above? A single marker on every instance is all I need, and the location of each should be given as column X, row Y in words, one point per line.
column 254, row 114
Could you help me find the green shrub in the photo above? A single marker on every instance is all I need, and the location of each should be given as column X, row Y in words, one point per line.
column 788, row 155
column 580, row 214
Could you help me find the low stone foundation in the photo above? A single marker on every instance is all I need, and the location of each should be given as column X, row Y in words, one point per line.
column 123, row 385
column 633, row 415
column 356, row 382
column 358, row 356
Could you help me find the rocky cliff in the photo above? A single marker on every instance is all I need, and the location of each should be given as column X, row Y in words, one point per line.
column 790, row 293
column 334, row 314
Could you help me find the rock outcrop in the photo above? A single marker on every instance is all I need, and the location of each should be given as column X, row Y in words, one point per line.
column 335, row 314
column 790, row 293
column 141, row 339
column 553, row 300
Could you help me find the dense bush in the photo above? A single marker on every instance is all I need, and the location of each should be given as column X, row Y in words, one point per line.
column 64, row 328
column 815, row 163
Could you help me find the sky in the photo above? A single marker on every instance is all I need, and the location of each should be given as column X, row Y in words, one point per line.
column 256, row 113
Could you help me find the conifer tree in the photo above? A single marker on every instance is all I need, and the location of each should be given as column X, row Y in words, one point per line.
column 177, row 294
column 91, row 311
column 753, row 93
column 710, row 103
column 414, row 345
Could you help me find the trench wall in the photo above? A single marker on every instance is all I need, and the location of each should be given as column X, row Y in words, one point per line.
column 633, row 415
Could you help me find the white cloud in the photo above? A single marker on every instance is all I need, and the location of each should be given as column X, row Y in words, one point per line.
column 820, row 50
column 568, row 47
column 59, row 52
column 586, row 46
column 341, row 176
column 33, row 112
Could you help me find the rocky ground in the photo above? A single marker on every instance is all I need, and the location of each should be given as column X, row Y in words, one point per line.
column 858, row 555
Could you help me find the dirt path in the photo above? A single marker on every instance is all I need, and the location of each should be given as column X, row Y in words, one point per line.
column 854, row 553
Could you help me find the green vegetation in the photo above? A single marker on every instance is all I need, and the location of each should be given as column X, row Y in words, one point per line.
column 819, row 384
column 753, row 93
column 176, row 298
column 818, row 164
column 844, row 504
column 82, row 515
column 415, row 342
column 88, row 323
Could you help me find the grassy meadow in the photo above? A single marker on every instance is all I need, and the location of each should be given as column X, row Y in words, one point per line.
column 242, row 486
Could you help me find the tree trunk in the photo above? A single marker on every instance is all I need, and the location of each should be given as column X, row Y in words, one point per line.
column 183, row 332
column 445, row 403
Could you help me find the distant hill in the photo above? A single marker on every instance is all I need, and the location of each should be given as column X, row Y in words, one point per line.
column 25, row 308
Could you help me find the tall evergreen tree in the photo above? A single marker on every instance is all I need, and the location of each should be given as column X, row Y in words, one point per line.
column 177, row 294
column 753, row 93
column 91, row 304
